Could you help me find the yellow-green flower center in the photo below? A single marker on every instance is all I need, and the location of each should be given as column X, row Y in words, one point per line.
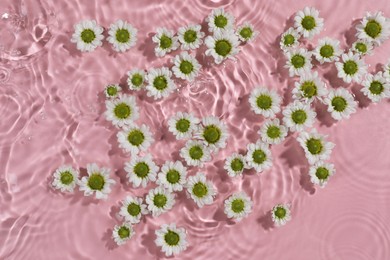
column 246, row 33
column 196, row 152
column 339, row 104
column 309, row 89
column 200, row 190
column 223, row 47
column 88, row 36
column 264, row 101
column 373, row 29
column 273, row 132
column 280, row 212
column 314, row 145
column 259, row 156
column 136, row 137
column 212, row 134
column 160, row 200
column 133, row 209
column 376, row 87
column 96, row 181
column 299, row 116
column 220, row 21
column 238, row 205
column 298, row 61
column 137, row 80
column 288, row 40
column 122, row 110
column 327, row 51
column 190, row 36
column 322, row 173
column 141, row 169
column 112, row 91
column 361, row 47
column 186, row 67
column 66, row 178
column 124, row 232
column 160, row 82
column 308, row 23
column 350, row 67
column 182, row 125
column 165, row 42
column 122, row 35
column 237, row 165
column 172, row 238
column 173, row 176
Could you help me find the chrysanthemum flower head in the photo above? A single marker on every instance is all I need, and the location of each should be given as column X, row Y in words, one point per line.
column 190, row 36
column 341, row 103
column 238, row 206
column 213, row 132
column 235, row 164
column 134, row 138
column 112, row 90
column 122, row 110
column 289, row 39
column 132, row 209
column 123, row 233
column 222, row 45
column 327, row 50
column 308, row 22
column 182, row 125
column 65, row 178
column 88, row 35
column 315, row 146
column 272, row 132
column 186, row 66
column 122, row 36
column 246, row 32
column 298, row 116
column 376, row 87
column 172, row 176
column 159, row 200
column 281, row 214
column 298, row 61
column 220, row 21
column 141, row 170
column 136, row 79
column 374, row 27
column 195, row 153
column 97, row 182
column 265, row 102
column 166, row 42
column 200, row 189
column 321, row 172
column 171, row 239
column 160, row 83
column 362, row 47
column 259, row 156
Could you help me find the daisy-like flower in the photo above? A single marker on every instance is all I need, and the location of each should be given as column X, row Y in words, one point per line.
column 289, row 39
column 186, row 66
column 166, row 42
column 122, row 110
column 195, row 153
column 65, row 178
column 200, row 189
column 386, row 70
column 122, row 36
column 362, row 47
column 112, row 90
column 238, row 206
column 309, row 87
column 171, row 239
column 281, row 214
column 190, row 37
column 141, row 170
column 351, row 68
column 341, row 103
column 374, row 27
column 259, row 156
column 135, row 138
column 376, row 87
column 220, row 21
column 222, row 45
column 235, row 164
column 122, row 233
column 213, row 132
column 136, row 79
column 265, row 102
column 298, row 61
column 246, row 32
column 132, row 209
column 172, row 176
column 297, row 116
column 159, row 200
column 320, row 173
column 160, row 83
column 327, row 50
column 182, row 125
column 315, row 146
column 87, row 35
column 272, row 132
column 98, row 181
column 308, row 22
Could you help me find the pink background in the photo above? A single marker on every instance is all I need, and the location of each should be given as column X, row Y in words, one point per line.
column 51, row 107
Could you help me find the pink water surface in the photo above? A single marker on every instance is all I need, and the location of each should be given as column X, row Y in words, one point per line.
column 51, row 107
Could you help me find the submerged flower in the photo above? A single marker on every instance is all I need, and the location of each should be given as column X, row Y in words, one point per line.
column 172, row 176
column 166, row 42
column 341, row 103
column 289, row 39
column 219, row 21
column 87, row 35
column 122, row 36
column 135, row 138
column 265, row 102
column 190, row 37
column 195, row 153
column 200, row 189
column 182, row 125
column 160, row 83
column 327, row 50
column 136, row 79
column 362, row 47
column 213, row 132
column 281, row 214
column 235, row 164
column 309, row 87
column 374, row 27
column 315, row 147
column 297, row 116
column 112, row 90
column 132, row 209
column 272, row 132
column 376, row 87
column 222, row 45
column 171, row 239
column 186, row 66
column 298, row 61
column 98, row 181
column 122, row 111
column 308, row 22
column 246, row 32
column 259, row 156
column 238, row 206
column 351, row 68
column 159, row 201
column 320, row 173
column 122, row 233
column 65, row 178
column 141, row 170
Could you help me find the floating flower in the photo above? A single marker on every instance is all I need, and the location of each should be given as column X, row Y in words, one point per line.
column 308, row 22
column 259, row 156
column 200, row 189
column 136, row 79
column 222, row 45
column 376, row 87
column 297, row 116
column 171, row 239
column 298, row 61
column 289, row 39
column 135, row 138
column 327, row 50
column 141, row 170
column 172, row 176
column 238, row 206
column 213, row 132
column 112, row 90
column 351, row 68
column 166, row 42
column 362, row 47
column 98, row 181
column 160, row 83
column 122, row 110
column 182, row 125
column 87, row 35
column 315, row 146
column 220, row 21
column 265, row 102
column 235, row 164
column 65, row 178
column 122, row 233
column 320, row 173
column 195, row 153
column 246, row 32
column 341, row 103
column 186, row 66
column 309, row 87
column 132, row 209
column 272, row 132
column 281, row 214
column 122, row 36
column 159, row 200
column 190, row 37
column 374, row 27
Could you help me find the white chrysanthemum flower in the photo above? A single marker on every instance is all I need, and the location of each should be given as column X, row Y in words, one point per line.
column 122, row 36
column 65, row 178
column 220, row 21
column 222, row 45
column 351, row 68
column 122, row 110
column 272, row 132
column 362, row 47
column 182, row 125
column 327, row 50
column 265, row 102
column 298, row 61
column 132, row 209
column 159, row 200
column 235, row 164
column 246, row 32
column 376, row 87
column 166, row 42
column 136, row 79
column 289, row 39
column 320, row 173
column 190, row 36
column 171, row 239
column 386, row 70
column 112, row 90
column 141, row 170
column 186, row 66
column 281, row 214
column 308, row 22
column 297, row 116
column 341, row 103
column 315, row 147
column 135, row 138
column 259, row 156
column 160, row 83
column 98, row 181
column 122, row 233
column 172, row 176
column 374, row 27
column 195, row 153
column 87, row 35
column 238, row 206
column 200, row 189
column 213, row 132
column 309, row 87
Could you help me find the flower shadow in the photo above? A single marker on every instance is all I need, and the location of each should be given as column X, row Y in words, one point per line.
column 305, row 181
column 148, row 241
column 363, row 100
column 323, row 115
column 266, row 221
column 147, row 48
column 109, row 241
